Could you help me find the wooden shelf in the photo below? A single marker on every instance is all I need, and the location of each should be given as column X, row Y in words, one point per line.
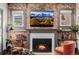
column 67, row 39
column 66, row 36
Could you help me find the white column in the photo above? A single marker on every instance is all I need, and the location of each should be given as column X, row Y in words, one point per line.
column 3, row 6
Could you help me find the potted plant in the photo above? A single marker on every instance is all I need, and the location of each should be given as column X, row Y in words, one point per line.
column 74, row 28
column 10, row 25
column 59, row 29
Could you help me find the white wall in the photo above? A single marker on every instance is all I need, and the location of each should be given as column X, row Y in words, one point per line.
column 3, row 6
column 78, row 40
column 77, row 22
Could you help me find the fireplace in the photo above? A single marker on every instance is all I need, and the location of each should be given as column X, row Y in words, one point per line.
column 42, row 43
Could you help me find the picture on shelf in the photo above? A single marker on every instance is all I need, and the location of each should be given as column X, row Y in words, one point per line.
column 42, row 18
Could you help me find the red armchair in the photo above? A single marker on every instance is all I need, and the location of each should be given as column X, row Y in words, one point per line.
column 68, row 48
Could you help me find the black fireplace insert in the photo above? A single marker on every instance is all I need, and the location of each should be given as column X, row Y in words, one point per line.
column 42, row 45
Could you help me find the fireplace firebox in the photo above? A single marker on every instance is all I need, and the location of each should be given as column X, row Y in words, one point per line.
column 42, row 45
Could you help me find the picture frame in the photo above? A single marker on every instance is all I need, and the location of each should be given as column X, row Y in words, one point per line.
column 65, row 17
column 42, row 18
column 18, row 18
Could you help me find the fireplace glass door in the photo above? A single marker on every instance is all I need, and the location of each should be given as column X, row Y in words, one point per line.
column 42, row 45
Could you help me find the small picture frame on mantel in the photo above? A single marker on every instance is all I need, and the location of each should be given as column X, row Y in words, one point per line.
column 65, row 17
column 18, row 18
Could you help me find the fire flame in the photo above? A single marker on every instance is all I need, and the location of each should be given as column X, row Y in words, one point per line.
column 42, row 47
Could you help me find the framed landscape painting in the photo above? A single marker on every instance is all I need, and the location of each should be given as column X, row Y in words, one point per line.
column 41, row 18
column 65, row 17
